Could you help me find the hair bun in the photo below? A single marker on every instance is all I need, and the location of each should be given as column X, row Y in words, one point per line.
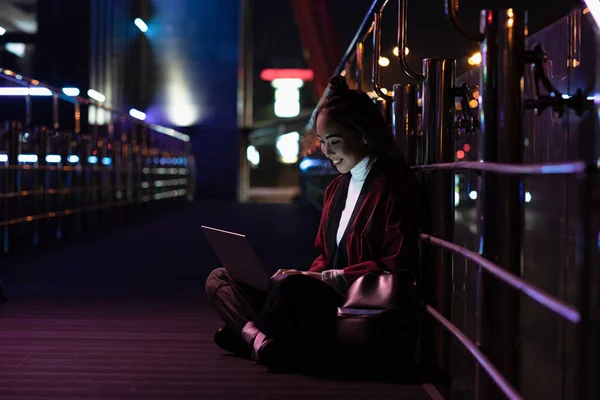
column 338, row 85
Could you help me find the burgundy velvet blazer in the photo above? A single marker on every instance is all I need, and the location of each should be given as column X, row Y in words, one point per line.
column 384, row 232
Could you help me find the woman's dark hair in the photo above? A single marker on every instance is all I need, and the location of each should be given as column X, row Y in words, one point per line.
column 356, row 110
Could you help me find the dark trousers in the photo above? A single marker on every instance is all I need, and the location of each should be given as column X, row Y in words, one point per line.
column 296, row 309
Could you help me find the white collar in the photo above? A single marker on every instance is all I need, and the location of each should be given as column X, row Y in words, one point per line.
column 361, row 170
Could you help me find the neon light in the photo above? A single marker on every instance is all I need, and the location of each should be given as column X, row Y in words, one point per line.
column 287, row 97
column 99, row 97
column 71, row 91
column 292, row 73
column 141, row 25
column 73, row 159
column 106, row 161
column 137, row 114
column 92, row 159
column 24, row 91
column 27, row 158
column 53, row 158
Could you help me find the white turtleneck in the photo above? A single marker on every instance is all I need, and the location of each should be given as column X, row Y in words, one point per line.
column 359, row 174
column 335, row 277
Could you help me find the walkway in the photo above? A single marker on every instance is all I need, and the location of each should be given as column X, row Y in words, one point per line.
column 121, row 314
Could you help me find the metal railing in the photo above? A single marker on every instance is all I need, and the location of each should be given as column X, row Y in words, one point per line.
column 71, row 172
column 501, row 167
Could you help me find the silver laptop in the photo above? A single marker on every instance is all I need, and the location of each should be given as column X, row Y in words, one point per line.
column 238, row 257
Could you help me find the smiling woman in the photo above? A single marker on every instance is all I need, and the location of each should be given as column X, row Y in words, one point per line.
column 370, row 223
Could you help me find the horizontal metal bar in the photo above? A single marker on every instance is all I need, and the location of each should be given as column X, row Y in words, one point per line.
column 573, row 167
column 89, row 188
column 558, row 306
column 486, row 364
column 93, row 168
column 54, row 214
column 63, row 213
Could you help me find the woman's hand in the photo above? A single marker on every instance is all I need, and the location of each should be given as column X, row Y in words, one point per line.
column 286, row 272
column 316, row 275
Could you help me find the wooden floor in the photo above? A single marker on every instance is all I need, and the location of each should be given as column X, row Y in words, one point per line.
column 122, row 314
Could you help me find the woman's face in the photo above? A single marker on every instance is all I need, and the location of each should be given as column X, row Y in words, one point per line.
column 343, row 146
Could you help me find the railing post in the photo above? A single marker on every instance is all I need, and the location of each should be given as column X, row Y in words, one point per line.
column 360, row 71
column 65, row 182
column 438, row 122
column 12, row 181
column 586, row 259
column 245, row 96
column 40, row 185
column 500, row 207
column 404, row 120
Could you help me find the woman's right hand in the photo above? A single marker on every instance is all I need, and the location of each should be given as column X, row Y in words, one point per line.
column 287, row 272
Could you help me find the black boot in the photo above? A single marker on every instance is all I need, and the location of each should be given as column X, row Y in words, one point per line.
column 279, row 357
column 232, row 343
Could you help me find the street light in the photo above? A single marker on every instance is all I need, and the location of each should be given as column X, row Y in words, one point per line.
column 397, row 52
column 384, row 61
column 475, row 59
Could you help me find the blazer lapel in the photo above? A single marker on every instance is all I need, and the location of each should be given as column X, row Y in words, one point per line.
column 335, row 214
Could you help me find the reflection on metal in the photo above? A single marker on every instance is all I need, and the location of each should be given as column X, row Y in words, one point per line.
column 501, row 207
column 509, row 391
column 553, row 303
column 404, row 120
column 580, row 102
column 438, row 121
column 500, row 199
column 573, row 167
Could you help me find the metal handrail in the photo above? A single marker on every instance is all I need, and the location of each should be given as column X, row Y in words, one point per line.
column 496, row 376
column 558, row 306
column 453, row 19
column 30, row 82
column 573, row 167
column 402, row 21
column 377, row 54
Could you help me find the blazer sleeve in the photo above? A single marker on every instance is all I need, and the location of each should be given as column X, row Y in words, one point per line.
column 399, row 247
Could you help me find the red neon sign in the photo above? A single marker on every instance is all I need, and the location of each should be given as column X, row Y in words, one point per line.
column 288, row 73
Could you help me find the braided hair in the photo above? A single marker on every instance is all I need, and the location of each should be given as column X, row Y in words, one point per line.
column 355, row 110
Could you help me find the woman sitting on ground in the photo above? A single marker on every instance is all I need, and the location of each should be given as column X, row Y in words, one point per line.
column 369, row 223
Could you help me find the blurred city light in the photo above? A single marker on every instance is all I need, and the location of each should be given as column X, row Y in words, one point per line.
column 141, row 25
